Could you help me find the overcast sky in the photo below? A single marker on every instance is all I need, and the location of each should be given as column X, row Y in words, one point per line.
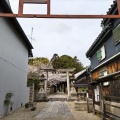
column 63, row 36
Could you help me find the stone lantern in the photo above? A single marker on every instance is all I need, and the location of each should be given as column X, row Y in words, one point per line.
column 73, row 92
column 41, row 96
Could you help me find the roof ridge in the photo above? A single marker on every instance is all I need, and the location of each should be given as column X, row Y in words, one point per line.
column 109, row 10
column 95, row 41
column 103, row 30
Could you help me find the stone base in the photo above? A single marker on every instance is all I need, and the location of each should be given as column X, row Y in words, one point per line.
column 30, row 104
column 41, row 97
column 73, row 96
column 73, row 93
column 68, row 98
column 82, row 106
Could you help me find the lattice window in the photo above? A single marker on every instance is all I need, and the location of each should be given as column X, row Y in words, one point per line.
column 116, row 33
column 112, row 93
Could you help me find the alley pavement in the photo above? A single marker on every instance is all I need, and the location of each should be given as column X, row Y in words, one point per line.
column 56, row 110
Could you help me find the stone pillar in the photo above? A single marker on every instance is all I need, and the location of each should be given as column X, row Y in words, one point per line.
column 46, row 87
column 68, row 85
column 31, row 96
column 46, row 84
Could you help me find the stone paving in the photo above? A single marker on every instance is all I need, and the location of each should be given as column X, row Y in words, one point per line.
column 52, row 111
column 55, row 109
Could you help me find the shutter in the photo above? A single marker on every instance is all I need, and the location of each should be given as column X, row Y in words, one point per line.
column 99, row 55
column 103, row 52
column 116, row 34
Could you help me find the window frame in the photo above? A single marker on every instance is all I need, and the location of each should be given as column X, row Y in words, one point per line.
column 102, row 49
column 105, row 84
column 102, row 72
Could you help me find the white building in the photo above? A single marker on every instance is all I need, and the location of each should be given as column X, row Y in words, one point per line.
column 15, row 49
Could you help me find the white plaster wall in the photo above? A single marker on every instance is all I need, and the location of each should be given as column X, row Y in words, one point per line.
column 13, row 66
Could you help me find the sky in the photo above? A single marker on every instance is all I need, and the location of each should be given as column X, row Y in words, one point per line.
column 71, row 37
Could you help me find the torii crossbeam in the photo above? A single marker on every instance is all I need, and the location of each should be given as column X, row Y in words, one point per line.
column 49, row 15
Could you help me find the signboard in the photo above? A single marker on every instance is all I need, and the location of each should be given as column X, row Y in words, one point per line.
column 96, row 92
column 36, row 1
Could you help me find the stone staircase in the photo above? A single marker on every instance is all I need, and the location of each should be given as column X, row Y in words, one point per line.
column 58, row 97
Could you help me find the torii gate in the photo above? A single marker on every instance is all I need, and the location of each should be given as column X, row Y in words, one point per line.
column 67, row 71
column 49, row 15
column 68, row 80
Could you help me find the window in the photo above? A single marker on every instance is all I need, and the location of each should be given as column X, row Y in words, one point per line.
column 116, row 34
column 101, row 53
column 106, row 83
column 104, row 73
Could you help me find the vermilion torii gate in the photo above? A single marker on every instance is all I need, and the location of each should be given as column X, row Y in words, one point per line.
column 49, row 15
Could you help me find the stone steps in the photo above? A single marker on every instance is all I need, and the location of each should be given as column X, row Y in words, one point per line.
column 57, row 99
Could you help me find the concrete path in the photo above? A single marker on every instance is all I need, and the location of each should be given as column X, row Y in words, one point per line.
column 55, row 109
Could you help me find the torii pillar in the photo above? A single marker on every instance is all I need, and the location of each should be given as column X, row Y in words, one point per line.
column 47, row 70
column 68, row 84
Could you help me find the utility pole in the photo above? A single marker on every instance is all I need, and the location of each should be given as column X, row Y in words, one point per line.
column 31, row 35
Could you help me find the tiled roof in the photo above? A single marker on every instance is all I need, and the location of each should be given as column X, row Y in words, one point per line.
column 112, row 6
column 104, row 30
column 96, row 41
column 80, row 73
column 110, row 10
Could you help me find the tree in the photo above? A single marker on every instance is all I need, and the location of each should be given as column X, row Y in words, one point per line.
column 36, row 61
column 55, row 61
column 76, row 59
column 66, row 61
column 55, row 56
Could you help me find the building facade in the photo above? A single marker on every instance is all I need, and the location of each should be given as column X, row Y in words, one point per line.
column 81, row 82
column 14, row 51
column 104, row 55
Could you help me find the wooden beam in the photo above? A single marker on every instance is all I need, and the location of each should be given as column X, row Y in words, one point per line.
column 118, row 5
column 20, row 10
column 35, row 1
column 59, row 16
column 48, row 7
